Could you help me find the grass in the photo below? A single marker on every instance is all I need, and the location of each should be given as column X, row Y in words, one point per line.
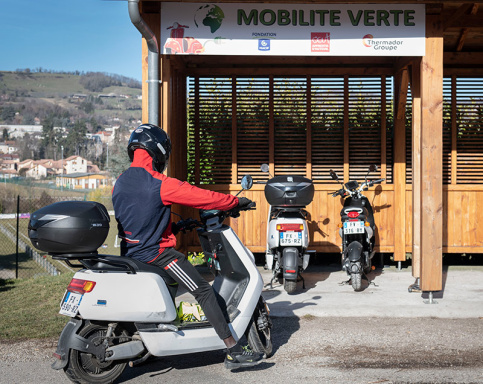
column 29, row 307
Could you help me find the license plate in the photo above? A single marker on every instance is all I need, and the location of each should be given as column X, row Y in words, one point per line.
column 70, row 304
column 351, row 227
column 290, row 238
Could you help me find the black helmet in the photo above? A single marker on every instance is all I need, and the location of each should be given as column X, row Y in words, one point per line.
column 154, row 140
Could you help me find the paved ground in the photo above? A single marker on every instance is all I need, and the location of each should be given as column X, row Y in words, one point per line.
column 385, row 295
column 327, row 333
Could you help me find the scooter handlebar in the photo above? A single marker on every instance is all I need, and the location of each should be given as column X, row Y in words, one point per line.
column 378, row 181
column 340, row 192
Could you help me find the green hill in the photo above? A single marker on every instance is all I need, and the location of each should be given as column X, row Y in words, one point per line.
column 25, row 96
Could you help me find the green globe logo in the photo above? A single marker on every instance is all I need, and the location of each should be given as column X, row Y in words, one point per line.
column 209, row 15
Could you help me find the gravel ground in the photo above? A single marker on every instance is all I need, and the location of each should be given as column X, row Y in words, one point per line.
column 312, row 349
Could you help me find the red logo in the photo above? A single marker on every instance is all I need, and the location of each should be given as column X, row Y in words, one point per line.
column 320, row 41
column 367, row 40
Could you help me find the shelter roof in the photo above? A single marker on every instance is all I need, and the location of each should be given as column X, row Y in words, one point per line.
column 462, row 25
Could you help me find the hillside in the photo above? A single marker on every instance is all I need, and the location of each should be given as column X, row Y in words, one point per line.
column 25, row 96
column 69, row 107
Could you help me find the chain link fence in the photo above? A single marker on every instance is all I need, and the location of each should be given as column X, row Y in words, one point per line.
column 18, row 258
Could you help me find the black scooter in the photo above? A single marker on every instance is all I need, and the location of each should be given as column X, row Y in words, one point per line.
column 357, row 228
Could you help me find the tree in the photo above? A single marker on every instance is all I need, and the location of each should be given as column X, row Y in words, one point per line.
column 50, row 137
column 8, row 114
column 5, row 134
column 76, row 139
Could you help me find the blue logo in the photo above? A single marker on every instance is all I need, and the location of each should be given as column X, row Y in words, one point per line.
column 264, row 45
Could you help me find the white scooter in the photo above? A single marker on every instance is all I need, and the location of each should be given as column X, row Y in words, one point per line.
column 113, row 322
column 287, row 230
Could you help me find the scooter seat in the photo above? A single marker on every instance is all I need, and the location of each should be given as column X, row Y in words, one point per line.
column 122, row 264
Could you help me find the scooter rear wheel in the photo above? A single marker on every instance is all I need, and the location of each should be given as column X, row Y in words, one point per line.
column 85, row 368
column 290, row 286
column 258, row 332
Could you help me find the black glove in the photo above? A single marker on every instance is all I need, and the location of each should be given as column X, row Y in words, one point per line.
column 183, row 226
column 243, row 202
column 174, row 228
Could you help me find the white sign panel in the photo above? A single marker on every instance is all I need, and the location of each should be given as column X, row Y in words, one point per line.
column 293, row 29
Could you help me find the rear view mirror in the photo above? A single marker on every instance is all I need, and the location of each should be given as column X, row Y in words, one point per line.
column 247, row 182
column 333, row 175
column 264, row 167
column 373, row 168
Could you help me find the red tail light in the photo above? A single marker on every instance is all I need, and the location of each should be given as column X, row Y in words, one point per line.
column 353, row 214
column 81, row 286
column 290, row 271
column 290, row 227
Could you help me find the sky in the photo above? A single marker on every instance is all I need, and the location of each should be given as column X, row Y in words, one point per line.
column 69, row 35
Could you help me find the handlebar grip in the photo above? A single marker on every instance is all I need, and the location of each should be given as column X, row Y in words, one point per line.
column 378, row 181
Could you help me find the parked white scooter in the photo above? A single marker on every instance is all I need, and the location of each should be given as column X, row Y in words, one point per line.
column 287, row 230
column 113, row 322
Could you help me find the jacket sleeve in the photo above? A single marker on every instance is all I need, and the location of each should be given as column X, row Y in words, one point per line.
column 174, row 191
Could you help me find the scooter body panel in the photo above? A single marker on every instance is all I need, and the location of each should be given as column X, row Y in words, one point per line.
column 121, row 296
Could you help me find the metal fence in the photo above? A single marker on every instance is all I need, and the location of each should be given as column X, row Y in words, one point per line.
column 18, row 258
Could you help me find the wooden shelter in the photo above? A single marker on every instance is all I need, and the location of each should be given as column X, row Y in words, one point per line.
column 419, row 118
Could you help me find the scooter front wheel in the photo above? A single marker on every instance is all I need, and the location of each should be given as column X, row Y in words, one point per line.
column 85, row 368
column 356, row 276
column 258, row 332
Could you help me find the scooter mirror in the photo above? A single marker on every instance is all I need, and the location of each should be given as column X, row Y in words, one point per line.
column 264, row 167
column 373, row 168
column 333, row 175
column 247, row 182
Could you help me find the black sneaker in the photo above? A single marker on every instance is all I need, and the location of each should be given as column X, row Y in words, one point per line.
column 238, row 356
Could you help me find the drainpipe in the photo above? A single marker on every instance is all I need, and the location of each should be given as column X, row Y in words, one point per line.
column 153, row 61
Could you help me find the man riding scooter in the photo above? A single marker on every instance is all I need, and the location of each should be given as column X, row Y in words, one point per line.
column 142, row 199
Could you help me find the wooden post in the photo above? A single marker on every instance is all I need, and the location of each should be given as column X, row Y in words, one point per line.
column 383, row 128
column 271, row 127
column 454, row 133
column 416, row 192
column 346, row 129
column 197, row 130
column 400, row 98
column 432, row 156
column 308, row 133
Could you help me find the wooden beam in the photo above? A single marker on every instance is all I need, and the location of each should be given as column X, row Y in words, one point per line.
column 383, row 129
column 271, row 127
column 299, row 71
column 416, row 161
column 402, row 96
column 346, row 129
column 454, row 133
column 463, row 59
column 197, row 130
column 432, row 156
column 455, row 16
column 470, row 21
column 401, row 82
column 464, row 31
column 308, row 133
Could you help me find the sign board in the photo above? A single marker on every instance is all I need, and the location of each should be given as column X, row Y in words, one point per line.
column 254, row 29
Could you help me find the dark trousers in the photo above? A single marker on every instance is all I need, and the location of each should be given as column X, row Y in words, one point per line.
column 183, row 272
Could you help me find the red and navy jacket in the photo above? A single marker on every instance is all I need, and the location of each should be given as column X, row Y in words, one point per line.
column 142, row 201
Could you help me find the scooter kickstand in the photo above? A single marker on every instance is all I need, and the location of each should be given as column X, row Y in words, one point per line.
column 348, row 282
column 303, row 281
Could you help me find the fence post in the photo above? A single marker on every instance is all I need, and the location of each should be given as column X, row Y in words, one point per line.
column 16, row 248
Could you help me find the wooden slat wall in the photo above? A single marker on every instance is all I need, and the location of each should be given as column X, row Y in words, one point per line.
column 266, row 131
